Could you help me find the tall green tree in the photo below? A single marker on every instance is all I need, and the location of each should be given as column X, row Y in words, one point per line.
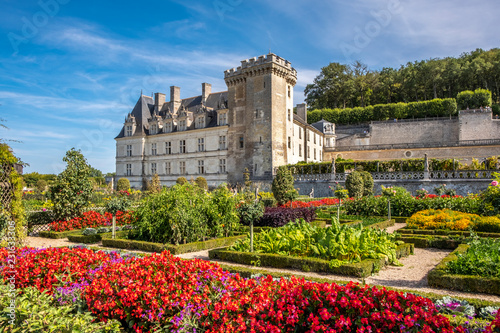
column 282, row 186
column 72, row 190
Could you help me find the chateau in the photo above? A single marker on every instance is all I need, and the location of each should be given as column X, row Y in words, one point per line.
column 217, row 135
column 252, row 125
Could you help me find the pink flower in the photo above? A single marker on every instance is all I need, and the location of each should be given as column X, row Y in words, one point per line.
column 494, row 183
column 45, row 209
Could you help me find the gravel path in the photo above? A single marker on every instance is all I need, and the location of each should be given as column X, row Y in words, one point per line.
column 412, row 275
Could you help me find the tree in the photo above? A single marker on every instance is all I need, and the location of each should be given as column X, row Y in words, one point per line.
column 181, row 180
column 41, row 185
column 72, row 189
column 282, row 186
column 96, row 173
column 367, row 183
column 201, row 182
column 123, row 184
column 354, row 184
column 155, row 185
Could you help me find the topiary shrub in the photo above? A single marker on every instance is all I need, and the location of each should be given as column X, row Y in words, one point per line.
column 181, row 180
column 354, row 183
column 251, row 211
column 282, row 186
column 123, row 184
column 201, row 182
column 367, row 183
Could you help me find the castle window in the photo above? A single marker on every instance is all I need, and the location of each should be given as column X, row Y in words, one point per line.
column 128, row 171
column 320, row 156
column 300, row 132
column 168, row 127
column 242, row 142
column 222, row 165
column 182, row 125
column 308, row 133
column 168, row 148
column 314, row 136
column 320, row 140
column 128, row 130
column 289, row 92
column 153, row 149
column 182, row 146
column 201, row 167
column 153, row 168
column 168, row 169
column 289, row 142
column 289, row 114
column 314, row 153
column 201, row 144
column 308, row 152
column 154, row 129
column 300, row 150
column 200, row 122
column 182, row 168
column 129, row 150
column 222, row 142
column 222, row 118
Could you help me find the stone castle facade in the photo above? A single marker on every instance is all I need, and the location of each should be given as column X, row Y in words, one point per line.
column 218, row 135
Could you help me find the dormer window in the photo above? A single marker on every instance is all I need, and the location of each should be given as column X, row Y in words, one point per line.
column 182, row 125
column 128, row 130
column 200, row 122
column 222, row 118
column 154, row 129
column 168, row 127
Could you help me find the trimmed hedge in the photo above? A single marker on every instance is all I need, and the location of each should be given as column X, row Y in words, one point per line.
column 58, row 235
column 361, row 269
column 96, row 238
column 438, row 242
column 174, row 249
column 439, row 278
column 447, row 232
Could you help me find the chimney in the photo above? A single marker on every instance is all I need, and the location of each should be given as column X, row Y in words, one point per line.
column 175, row 99
column 159, row 101
column 302, row 111
column 206, row 90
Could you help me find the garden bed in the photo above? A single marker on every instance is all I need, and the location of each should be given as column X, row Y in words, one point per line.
column 440, row 278
column 427, row 241
column 96, row 238
column 361, row 269
column 58, row 235
column 174, row 249
column 447, row 232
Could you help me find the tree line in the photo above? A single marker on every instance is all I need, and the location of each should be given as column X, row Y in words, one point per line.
column 355, row 85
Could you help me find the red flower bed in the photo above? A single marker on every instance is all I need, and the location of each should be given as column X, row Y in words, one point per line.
column 178, row 295
column 494, row 327
column 92, row 219
column 317, row 203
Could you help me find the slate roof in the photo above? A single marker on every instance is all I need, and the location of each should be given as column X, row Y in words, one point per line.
column 320, row 125
column 144, row 110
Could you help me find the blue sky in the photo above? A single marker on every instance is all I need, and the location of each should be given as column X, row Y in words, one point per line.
column 71, row 70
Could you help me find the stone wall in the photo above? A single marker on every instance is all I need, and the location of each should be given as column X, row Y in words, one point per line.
column 478, row 125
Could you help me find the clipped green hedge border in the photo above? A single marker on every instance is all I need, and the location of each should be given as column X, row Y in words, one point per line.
column 447, row 232
column 427, row 241
column 96, row 238
column 58, row 235
column 361, row 269
column 439, row 278
column 174, row 249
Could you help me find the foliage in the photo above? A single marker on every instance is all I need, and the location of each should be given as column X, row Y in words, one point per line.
column 33, row 177
column 154, row 186
column 123, row 184
column 491, row 196
column 250, row 212
column 452, row 220
column 340, row 244
column 340, row 192
column 474, row 99
column 15, row 211
column 186, row 213
column 181, row 181
column 443, row 190
column 72, row 190
column 201, row 182
column 348, row 86
column 41, row 185
column 116, row 204
column 280, row 216
column 367, row 183
column 354, row 183
column 282, row 186
column 481, row 259
column 315, row 203
column 37, row 311
column 380, row 112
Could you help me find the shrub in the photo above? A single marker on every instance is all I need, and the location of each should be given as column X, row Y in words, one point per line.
column 72, row 189
column 491, row 196
column 181, row 181
column 154, row 186
column 367, row 183
column 116, row 204
column 354, row 183
column 474, row 99
column 41, row 185
column 452, row 220
column 123, row 184
column 201, row 182
column 282, row 186
column 185, row 214
column 250, row 212
column 279, row 216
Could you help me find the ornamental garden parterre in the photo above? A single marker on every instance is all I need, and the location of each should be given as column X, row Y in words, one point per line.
column 89, row 288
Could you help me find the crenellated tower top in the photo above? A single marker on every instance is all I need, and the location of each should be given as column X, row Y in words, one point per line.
column 264, row 64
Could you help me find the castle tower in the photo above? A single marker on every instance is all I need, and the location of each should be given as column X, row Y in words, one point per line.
column 260, row 103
